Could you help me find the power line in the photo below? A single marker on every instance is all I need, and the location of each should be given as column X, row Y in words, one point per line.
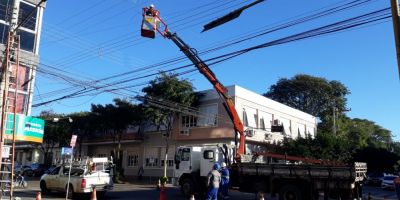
column 324, row 30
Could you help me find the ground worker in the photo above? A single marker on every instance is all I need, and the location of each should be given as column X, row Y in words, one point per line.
column 214, row 179
column 225, row 180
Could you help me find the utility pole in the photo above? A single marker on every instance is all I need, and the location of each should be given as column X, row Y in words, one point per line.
column 334, row 121
column 396, row 26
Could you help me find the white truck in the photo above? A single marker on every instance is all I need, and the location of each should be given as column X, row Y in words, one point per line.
column 85, row 175
column 288, row 179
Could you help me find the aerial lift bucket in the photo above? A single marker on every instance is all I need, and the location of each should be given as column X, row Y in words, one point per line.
column 149, row 26
column 150, row 22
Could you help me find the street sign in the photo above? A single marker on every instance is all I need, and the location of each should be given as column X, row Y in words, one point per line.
column 5, row 153
column 66, row 151
column 73, row 140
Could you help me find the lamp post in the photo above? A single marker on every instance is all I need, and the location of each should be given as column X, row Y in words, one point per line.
column 72, row 144
column 334, row 129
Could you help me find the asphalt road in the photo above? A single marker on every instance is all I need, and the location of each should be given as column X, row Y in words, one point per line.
column 149, row 192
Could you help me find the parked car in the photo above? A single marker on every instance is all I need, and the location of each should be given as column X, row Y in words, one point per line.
column 388, row 182
column 24, row 170
column 375, row 178
column 51, row 168
column 38, row 169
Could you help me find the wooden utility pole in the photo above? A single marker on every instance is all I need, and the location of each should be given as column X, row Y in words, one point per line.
column 396, row 26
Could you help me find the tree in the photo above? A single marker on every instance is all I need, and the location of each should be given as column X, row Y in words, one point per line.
column 55, row 134
column 167, row 96
column 313, row 95
column 83, row 126
column 363, row 133
column 323, row 146
column 115, row 119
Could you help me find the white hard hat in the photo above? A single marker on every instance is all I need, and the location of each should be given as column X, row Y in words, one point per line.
column 151, row 6
column 223, row 164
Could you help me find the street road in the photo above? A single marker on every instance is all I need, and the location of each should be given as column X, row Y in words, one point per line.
column 149, row 192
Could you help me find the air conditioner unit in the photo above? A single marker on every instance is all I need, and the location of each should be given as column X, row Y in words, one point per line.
column 185, row 132
column 250, row 133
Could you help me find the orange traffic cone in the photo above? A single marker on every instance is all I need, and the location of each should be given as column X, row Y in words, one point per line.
column 192, row 197
column 94, row 196
column 39, row 196
column 162, row 193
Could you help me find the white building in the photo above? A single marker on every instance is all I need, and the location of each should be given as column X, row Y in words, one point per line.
column 210, row 126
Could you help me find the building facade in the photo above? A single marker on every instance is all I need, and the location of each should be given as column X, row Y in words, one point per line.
column 29, row 17
column 211, row 125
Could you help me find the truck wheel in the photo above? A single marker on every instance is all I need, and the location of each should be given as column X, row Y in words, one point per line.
column 43, row 187
column 290, row 192
column 70, row 192
column 187, row 187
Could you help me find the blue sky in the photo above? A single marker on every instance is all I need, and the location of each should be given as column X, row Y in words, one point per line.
column 93, row 39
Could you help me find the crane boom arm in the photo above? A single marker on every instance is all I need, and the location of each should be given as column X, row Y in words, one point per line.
column 222, row 91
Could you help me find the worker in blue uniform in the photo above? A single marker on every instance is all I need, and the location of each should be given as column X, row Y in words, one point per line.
column 225, row 181
column 214, row 179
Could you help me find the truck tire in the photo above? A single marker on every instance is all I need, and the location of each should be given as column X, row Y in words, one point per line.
column 290, row 192
column 43, row 187
column 71, row 193
column 187, row 187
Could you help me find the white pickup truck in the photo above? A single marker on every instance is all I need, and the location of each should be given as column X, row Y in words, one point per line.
column 84, row 177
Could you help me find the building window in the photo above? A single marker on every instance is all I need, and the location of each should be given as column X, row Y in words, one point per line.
column 207, row 116
column 6, row 10
column 262, row 124
column 151, row 162
column 170, row 163
column 132, row 161
column 27, row 40
column 188, row 121
column 3, row 32
column 27, row 13
column 101, row 155
column 245, row 120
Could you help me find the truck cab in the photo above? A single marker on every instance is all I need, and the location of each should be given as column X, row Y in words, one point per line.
column 192, row 165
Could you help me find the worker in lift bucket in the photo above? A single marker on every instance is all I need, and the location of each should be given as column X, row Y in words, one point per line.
column 214, row 179
column 225, row 180
column 151, row 11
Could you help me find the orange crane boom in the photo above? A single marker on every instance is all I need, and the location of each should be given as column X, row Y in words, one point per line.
column 151, row 24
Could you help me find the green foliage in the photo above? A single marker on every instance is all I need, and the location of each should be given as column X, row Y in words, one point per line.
column 362, row 133
column 313, row 95
column 55, row 133
column 176, row 96
column 114, row 119
column 323, row 146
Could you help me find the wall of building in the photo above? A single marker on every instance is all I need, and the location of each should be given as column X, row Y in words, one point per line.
column 216, row 128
